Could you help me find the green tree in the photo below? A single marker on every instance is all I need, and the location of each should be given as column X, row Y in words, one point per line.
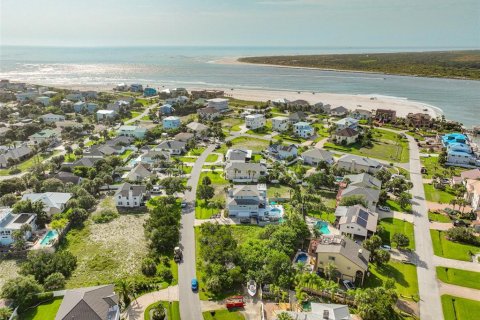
column 21, row 289
column 401, row 240
column 8, row 200
column 159, row 313
column 5, row 313
column 376, row 303
column 353, row 200
column 41, row 264
column 55, row 281
column 37, row 207
column 284, row 316
column 404, row 199
column 205, row 192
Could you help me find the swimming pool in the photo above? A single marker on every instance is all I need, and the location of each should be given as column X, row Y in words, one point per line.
column 322, row 226
column 301, row 257
column 51, row 235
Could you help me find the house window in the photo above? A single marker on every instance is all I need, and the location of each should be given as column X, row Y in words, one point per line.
column 120, row 203
column 119, row 197
column 331, row 258
column 128, row 203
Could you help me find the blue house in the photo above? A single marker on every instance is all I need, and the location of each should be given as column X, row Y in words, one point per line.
column 454, row 138
column 166, row 109
column 88, row 106
column 149, row 92
column 303, row 129
column 171, row 122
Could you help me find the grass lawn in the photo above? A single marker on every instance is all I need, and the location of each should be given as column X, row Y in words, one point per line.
column 249, row 143
column 196, row 151
column 243, row 233
column 455, row 308
column 464, row 278
column 433, row 167
column 212, row 157
column 223, row 315
column 392, row 226
column 404, row 274
column 187, row 169
column 218, row 182
column 435, row 195
column 27, row 164
column 232, row 123
column 325, row 216
column 45, row 311
column 329, row 198
column 188, row 159
column 202, row 211
column 125, row 155
column 395, row 206
column 277, row 190
column 173, row 310
column 386, row 146
column 449, row 249
column 438, row 217
column 216, row 177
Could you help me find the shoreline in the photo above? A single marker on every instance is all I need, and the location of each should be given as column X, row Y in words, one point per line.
column 402, row 106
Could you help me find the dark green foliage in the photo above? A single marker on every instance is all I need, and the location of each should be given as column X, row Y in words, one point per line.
column 21, row 289
column 55, row 281
column 41, row 264
column 464, row 235
column 149, row 267
column 105, row 216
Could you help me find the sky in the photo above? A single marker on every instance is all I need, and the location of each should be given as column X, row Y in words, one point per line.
column 327, row 23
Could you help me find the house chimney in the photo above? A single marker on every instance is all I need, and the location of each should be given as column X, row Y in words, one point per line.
column 360, row 252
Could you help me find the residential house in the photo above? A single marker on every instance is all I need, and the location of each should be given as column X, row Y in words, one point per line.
column 209, row 113
column 129, row 195
column 322, row 108
column 106, row 115
column 473, row 174
column 339, row 111
column 54, row 202
column 350, row 258
column 139, row 173
column 46, row 135
column 472, row 194
column 347, row 123
column 50, row 117
column 315, row 156
column 166, row 109
column 361, row 114
column 99, row 303
column 299, row 103
column 136, row 87
column 132, row 131
column 219, row 104
column 171, row 146
column 385, row 115
column 206, row 94
column 200, row 102
column 10, row 222
column 76, row 96
column 345, row 136
column 280, row 124
column 358, row 164
column 319, row 311
column 356, row 221
column 282, row 152
column 149, row 92
column 118, row 106
column 454, row 138
column 43, row 100
column 298, row 116
column 364, row 180
column 419, row 120
column 238, row 155
column 68, row 177
column 81, row 106
column 171, row 122
column 184, row 137
column 199, row 129
column 255, row 121
column 120, row 140
column 246, row 200
column 83, row 162
column 152, row 157
column 16, row 154
column 370, row 196
column 26, row 96
column 89, row 94
column 244, row 171
column 303, row 129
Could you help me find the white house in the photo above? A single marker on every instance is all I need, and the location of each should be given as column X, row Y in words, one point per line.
column 370, row 195
column 171, row 146
column 345, row 136
column 255, row 121
column 129, row 195
column 54, row 202
column 132, row 131
column 105, row 114
column 339, row 111
column 244, row 171
column 283, row 151
column 209, row 113
column 319, row 311
column 353, row 163
column 280, row 124
column 246, row 200
column 47, row 135
column 43, row 100
column 10, row 222
column 314, row 156
column 171, row 122
column 356, row 221
column 50, row 117
column 347, row 123
column 220, row 104
column 238, row 155
column 303, row 129
column 472, row 194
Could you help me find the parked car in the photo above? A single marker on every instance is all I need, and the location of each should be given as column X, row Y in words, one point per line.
column 194, row 284
column 459, row 223
column 384, row 208
column 183, row 204
column 423, row 170
column 386, row 247
column 348, row 284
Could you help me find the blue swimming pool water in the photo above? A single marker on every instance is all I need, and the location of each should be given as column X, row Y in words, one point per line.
column 52, row 234
column 302, row 257
column 323, row 227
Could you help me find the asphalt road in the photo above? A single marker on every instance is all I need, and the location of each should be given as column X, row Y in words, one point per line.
column 430, row 303
column 190, row 308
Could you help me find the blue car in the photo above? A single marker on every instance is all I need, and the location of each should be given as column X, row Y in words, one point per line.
column 194, row 284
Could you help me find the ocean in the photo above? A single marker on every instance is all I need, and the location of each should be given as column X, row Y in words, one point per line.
column 197, row 67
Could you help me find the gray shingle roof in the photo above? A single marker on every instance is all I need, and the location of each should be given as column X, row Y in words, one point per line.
column 347, row 248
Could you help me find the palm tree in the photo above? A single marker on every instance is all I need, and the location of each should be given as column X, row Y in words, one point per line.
column 125, row 289
column 330, row 270
column 453, row 202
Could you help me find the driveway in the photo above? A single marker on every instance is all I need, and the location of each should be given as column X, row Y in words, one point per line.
column 140, row 116
column 137, row 308
column 458, row 291
column 190, row 307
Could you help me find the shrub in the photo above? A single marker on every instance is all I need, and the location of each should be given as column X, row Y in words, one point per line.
column 55, row 281
column 464, row 235
column 21, row 289
column 164, row 273
column 149, row 267
column 158, row 313
column 105, row 216
column 14, row 171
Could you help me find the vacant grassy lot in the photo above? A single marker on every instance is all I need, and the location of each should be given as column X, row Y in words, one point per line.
column 223, row 315
column 435, row 195
column 173, row 310
column 232, row 124
column 405, row 276
column 243, row 233
column 8, row 270
column 386, row 146
column 449, row 249
column 202, row 211
column 459, row 277
column 249, row 143
column 392, row 226
column 27, row 164
column 455, row 308
column 104, row 251
column 212, row 157
column 45, row 311
column 433, row 167
column 438, row 217
column 278, row 191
